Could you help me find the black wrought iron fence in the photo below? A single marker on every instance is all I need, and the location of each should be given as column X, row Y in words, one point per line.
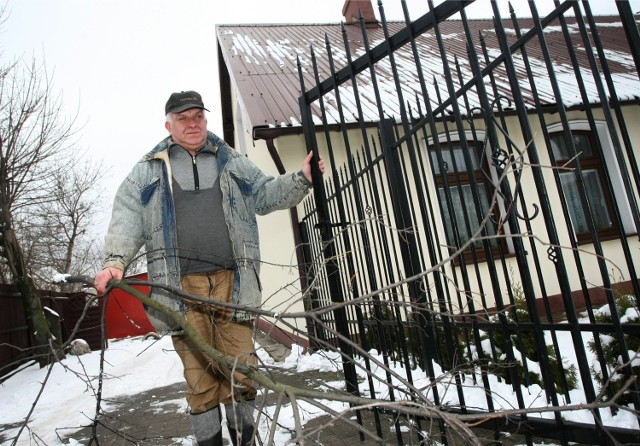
column 481, row 214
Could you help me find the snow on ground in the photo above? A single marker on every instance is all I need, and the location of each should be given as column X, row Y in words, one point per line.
column 68, row 398
column 131, row 366
column 134, row 365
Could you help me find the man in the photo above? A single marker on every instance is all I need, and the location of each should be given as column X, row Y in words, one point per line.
column 192, row 202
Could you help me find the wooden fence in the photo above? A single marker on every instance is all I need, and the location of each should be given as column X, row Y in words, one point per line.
column 65, row 309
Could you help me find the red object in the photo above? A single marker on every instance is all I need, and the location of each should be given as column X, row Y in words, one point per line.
column 125, row 314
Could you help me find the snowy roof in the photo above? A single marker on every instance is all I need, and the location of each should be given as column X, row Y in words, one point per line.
column 262, row 62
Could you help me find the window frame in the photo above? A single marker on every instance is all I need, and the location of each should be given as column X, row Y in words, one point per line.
column 463, row 177
column 595, row 162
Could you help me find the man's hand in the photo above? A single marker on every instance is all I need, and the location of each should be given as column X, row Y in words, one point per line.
column 306, row 166
column 103, row 277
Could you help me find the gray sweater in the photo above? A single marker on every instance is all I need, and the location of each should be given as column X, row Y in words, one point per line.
column 204, row 244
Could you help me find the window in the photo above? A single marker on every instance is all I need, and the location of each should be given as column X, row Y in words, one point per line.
column 595, row 184
column 454, row 182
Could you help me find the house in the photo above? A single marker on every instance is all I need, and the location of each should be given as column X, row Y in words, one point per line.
column 260, row 90
column 482, row 196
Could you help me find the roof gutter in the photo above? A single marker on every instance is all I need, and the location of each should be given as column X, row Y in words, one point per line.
column 271, row 133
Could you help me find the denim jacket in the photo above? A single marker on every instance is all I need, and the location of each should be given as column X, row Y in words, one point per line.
column 144, row 214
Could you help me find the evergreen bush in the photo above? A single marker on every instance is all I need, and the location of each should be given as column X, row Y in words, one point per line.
column 617, row 373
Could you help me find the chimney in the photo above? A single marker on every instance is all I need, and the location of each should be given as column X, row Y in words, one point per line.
column 352, row 9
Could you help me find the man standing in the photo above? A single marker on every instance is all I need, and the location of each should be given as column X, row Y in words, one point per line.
column 192, row 202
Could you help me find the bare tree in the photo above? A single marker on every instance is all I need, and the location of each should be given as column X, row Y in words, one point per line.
column 56, row 234
column 34, row 140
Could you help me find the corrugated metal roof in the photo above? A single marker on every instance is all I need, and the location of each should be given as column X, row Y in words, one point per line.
column 262, row 61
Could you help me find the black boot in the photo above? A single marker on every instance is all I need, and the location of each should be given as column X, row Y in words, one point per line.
column 243, row 438
column 241, row 423
column 214, row 441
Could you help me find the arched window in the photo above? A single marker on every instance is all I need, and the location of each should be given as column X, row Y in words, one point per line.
column 466, row 196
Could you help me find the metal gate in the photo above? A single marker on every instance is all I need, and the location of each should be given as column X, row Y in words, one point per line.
column 479, row 225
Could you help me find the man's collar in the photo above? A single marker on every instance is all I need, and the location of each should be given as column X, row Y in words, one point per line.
column 207, row 148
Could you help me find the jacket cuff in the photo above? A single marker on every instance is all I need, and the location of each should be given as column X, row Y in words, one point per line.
column 114, row 262
column 304, row 179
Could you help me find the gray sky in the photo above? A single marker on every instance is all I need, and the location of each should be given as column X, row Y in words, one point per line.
column 116, row 62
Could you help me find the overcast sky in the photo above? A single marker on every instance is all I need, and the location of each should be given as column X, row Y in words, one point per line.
column 116, row 62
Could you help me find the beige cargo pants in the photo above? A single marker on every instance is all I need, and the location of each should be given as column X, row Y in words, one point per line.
column 208, row 384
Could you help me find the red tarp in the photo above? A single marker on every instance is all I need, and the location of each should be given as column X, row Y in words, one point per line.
column 125, row 314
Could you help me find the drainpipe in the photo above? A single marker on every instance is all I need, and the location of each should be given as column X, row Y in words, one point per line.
column 297, row 237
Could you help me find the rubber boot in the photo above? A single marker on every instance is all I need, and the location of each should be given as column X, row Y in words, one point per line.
column 244, row 438
column 214, row 441
column 207, row 429
column 241, row 423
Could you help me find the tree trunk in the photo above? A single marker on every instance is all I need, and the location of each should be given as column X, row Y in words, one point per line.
column 36, row 321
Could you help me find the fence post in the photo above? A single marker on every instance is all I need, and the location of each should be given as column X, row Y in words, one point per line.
column 408, row 246
column 329, row 253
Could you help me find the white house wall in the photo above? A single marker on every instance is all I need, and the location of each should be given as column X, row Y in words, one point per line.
column 279, row 270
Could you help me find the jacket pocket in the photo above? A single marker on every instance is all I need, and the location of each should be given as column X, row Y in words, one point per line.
column 241, row 205
column 147, row 192
column 257, row 277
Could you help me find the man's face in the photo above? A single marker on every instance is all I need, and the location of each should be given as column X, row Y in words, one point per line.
column 188, row 128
